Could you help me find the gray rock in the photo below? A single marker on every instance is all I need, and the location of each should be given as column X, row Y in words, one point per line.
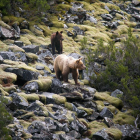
column 40, row 67
column 24, row 25
column 8, row 55
column 74, row 134
column 31, row 87
column 23, row 74
column 106, row 113
column 18, row 43
column 49, row 98
column 18, row 102
column 56, row 86
column 107, row 17
column 116, row 93
column 8, row 33
column 101, row 135
column 129, row 132
column 78, row 31
column 93, row 117
column 136, row 2
column 31, row 48
column 1, row 59
column 108, row 121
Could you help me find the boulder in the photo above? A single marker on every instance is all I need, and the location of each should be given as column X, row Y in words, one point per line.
column 8, row 55
column 56, row 86
column 116, row 93
column 31, row 48
column 18, row 102
column 136, row 2
column 106, row 113
column 8, row 33
column 23, row 74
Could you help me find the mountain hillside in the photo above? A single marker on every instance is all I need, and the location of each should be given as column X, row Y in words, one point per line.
column 35, row 105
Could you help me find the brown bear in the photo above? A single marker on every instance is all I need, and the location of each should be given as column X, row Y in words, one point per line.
column 56, row 42
column 63, row 65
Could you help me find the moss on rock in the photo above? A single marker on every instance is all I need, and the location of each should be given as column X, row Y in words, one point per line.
column 29, row 97
column 2, row 92
column 122, row 118
column 114, row 132
column 59, row 99
column 94, row 127
column 68, row 105
column 103, row 96
column 15, row 48
column 25, row 124
column 7, row 78
column 89, row 111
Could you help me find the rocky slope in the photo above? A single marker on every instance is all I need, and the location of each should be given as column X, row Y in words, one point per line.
column 45, row 108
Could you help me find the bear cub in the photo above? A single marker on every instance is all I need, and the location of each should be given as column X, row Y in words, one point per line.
column 56, row 42
column 63, row 65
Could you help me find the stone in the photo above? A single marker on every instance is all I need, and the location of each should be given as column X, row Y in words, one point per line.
column 101, row 135
column 8, row 33
column 56, row 86
column 23, row 74
column 108, row 122
column 116, row 93
column 18, row 43
column 1, row 59
column 107, row 17
column 31, row 48
column 136, row 2
column 8, row 55
column 18, row 102
column 106, row 113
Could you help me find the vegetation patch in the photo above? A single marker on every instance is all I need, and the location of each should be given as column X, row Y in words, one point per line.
column 122, row 118
column 106, row 97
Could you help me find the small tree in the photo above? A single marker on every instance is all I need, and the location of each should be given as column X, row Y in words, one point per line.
column 122, row 68
column 5, row 119
column 83, row 43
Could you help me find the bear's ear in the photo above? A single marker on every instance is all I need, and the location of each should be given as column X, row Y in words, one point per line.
column 78, row 60
column 61, row 32
column 57, row 33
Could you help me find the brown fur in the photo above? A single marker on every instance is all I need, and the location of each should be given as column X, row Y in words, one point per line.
column 63, row 65
column 56, row 42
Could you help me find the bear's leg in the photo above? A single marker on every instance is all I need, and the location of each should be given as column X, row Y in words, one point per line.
column 53, row 48
column 65, row 77
column 75, row 75
column 59, row 75
column 59, row 49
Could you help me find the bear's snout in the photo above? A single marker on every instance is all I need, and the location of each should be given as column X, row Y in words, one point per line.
column 84, row 67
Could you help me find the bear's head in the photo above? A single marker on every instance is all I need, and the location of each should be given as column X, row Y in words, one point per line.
column 59, row 35
column 79, row 64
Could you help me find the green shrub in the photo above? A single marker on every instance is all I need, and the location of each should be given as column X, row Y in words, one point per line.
column 5, row 119
column 122, row 68
column 83, row 43
column 31, row 5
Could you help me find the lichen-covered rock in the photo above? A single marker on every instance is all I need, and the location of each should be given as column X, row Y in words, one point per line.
column 6, row 33
column 59, row 99
column 106, row 97
column 128, row 131
column 23, row 74
column 106, row 113
column 42, row 84
column 56, row 86
column 31, row 48
column 18, row 102
column 108, row 133
column 122, row 118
